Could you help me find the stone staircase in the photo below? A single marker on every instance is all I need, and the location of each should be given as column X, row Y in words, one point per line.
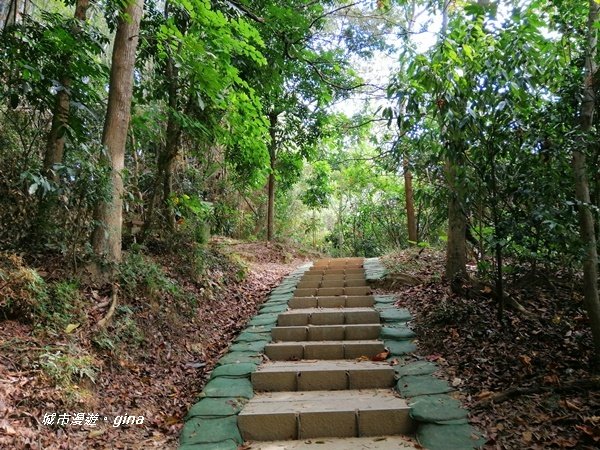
column 319, row 386
column 320, row 383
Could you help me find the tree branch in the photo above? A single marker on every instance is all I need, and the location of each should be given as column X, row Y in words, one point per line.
column 245, row 10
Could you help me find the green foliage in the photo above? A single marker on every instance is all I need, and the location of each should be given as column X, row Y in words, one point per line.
column 319, row 187
column 23, row 290
column 65, row 307
column 500, row 99
column 26, row 296
column 123, row 333
column 138, row 274
column 68, row 368
column 36, row 56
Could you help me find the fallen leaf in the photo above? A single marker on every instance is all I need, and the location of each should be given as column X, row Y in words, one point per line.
column 381, row 356
column 526, row 360
column 483, row 394
column 593, row 433
column 569, row 405
column 95, row 433
column 551, row 379
column 71, row 327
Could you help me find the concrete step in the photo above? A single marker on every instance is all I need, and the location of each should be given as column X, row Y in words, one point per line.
column 325, row 292
column 362, row 443
column 333, row 277
column 322, row 271
column 327, row 332
column 297, row 350
column 327, row 316
column 313, row 414
column 346, row 260
column 317, row 283
column 322, row 375
column 332, row 301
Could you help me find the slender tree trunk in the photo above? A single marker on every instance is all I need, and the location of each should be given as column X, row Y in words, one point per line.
column 411, row 219
column 106, row 238
column 172, row 144
column 499, row 235
column 271, row 182
column 55, row 143
column 167, row 155
column 13, row 14
column 456, row 258
column 582, row 191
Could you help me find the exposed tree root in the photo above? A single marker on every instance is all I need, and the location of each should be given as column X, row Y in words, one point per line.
column 102, row 323
column 573, row 385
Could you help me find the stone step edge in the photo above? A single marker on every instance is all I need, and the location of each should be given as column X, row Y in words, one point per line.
column 304, row 415
column 277, row 376
column 362, row 443
column 328, row 350
column 343, row 332
column 190, row 435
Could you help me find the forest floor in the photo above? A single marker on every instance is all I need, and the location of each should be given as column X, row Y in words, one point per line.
column 534, row 367
column 527, row 384
column 168, row 349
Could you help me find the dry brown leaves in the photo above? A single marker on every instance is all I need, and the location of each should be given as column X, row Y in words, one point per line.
column 160, row 380
column 464, row 338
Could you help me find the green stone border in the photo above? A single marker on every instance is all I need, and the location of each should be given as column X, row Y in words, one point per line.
column 374, row 269
column 441, row 421
column 211, row 423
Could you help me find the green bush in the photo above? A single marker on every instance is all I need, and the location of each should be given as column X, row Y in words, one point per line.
column 138, row 274
column 68, row 368
column 22, row 291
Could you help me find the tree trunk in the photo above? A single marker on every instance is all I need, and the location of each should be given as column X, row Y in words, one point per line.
column 456, row 260
column 271, row 182
column 56, row 137
column 582, row 192
column 106, row 238
column 410, row 203
column 173, row 134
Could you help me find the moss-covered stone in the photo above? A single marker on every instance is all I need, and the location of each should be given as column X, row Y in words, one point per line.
column 394, row 315
column 216, row 407
column 449, row 437
column 276, row 298
column 385, row 299
column 252, row 337
column 234, row 370
column 259, row 328
column 240, row 357
column 264, row 319
column 397, row 333
column 274, row 308
column 280, row 290
column 412, row 386
column 436, row 408
column 399, row 348
column 229, row 387
column 416, row 368
column 255, row 346
column 374, row 269
column 200, row 430
column 224, row 445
